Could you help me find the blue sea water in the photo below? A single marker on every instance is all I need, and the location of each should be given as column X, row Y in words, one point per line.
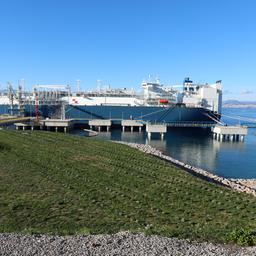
column 196, row 147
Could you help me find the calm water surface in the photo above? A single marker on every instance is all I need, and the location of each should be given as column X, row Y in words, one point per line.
column 196, row 147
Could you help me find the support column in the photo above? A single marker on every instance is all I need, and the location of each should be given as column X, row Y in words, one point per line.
column 162, row 135
column 149, row 135
column 123, row 128
column 139, row 128
column 131, row 128
column 231, row 137
column 65, row 129
column 17, row 127
column 221, row 137
column 23, row 128
column 107, row 128
column 99, row 128
column 242, row 138
column 56, row 129
column 32, row 128
column 91, row 127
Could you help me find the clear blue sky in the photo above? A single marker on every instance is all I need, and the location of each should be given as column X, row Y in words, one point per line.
column 122, row 41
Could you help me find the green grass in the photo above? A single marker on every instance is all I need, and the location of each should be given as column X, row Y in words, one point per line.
column 58, row 183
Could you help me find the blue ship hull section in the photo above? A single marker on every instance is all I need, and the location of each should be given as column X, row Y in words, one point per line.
column 179, row 114
column 153, row 114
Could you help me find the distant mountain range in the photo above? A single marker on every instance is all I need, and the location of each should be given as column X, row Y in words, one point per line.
column 238, row 103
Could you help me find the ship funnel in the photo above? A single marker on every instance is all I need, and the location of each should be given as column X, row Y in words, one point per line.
column 219, row 85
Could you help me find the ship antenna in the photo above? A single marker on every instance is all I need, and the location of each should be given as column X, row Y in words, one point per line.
column 158, row 79
column 22, row 84
column 78, row 85
column 99, row 84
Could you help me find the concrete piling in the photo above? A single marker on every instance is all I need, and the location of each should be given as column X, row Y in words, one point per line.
column 100, row 123
column 229, row 133
column 56, row 124
column 132, row 124
column 156, row 128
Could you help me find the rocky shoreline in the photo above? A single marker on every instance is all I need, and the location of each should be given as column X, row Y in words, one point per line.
column 241, row 185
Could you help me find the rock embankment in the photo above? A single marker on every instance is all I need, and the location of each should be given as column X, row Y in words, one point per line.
column 240, row 185
column 246, row 182
column 122, row 243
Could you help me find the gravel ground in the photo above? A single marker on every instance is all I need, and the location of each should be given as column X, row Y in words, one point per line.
column 123, row 243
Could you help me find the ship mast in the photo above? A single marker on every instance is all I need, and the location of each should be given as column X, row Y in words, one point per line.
column 10, row 96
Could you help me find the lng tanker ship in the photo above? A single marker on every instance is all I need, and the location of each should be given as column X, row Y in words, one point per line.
column 193, row 103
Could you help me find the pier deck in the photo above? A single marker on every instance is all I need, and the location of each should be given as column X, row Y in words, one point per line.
column 132, row 124
column 156, row 128
column 29, row 125
column 229, row 133
column 103, row 124
column 99, row 123
column 64, row 124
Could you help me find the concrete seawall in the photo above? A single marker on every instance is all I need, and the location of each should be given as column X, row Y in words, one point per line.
column 241, row 185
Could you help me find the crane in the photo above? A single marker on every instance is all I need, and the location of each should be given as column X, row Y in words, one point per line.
column 13, row 96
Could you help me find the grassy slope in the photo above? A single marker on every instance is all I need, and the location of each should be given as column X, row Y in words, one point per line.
column 65, row 184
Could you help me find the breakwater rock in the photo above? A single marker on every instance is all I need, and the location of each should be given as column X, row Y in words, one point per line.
column 247, row 182
column 236, row 184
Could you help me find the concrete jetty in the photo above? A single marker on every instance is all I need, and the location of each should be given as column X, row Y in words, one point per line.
column 156, row 128
column 100, row 123
column 131, row 124
column 57, row 124
column 26, row 126
column 221, row 133
column 229, row 133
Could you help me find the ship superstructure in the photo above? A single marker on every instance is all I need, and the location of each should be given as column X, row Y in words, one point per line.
column 205, row 95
